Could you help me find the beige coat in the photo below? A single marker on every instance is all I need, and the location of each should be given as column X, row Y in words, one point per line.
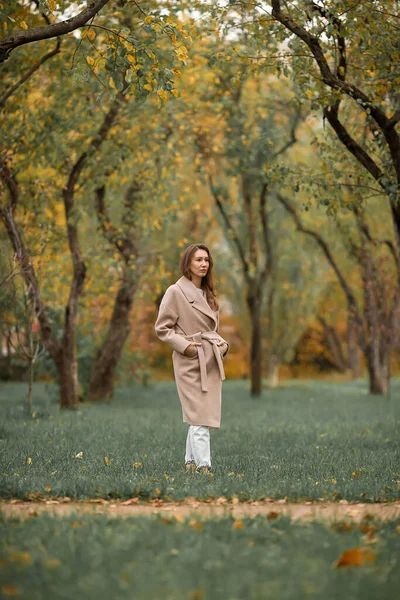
column 185, row 317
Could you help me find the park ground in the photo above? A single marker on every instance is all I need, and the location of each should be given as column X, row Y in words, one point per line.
column 304, row 500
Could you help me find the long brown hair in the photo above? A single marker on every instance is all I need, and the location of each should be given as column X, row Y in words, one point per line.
column 207, row 283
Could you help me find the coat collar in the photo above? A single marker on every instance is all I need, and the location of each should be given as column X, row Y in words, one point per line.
column 192, row 294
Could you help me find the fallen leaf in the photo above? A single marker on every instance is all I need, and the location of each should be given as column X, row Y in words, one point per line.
column 130, row 501
column 221, row 500
column 271, row 516
column 196, row 525
column 344, row 526
column 29, row 461
column 369, row 530
column 180, row 518
column 79, row 455
column 48, row 489
column 197, row 594
column 166, row 520
column 238, row 524
column 355, row 557
column 10, row 590
column 107, row 460
column 137, row 465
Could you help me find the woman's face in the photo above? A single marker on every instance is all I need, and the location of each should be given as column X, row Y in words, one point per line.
column 200, row 263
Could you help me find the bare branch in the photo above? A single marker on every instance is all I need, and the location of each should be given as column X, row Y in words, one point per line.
column 352, row 302
column 228, row 224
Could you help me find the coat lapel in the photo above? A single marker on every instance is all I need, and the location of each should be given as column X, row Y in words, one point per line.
column 195, row 298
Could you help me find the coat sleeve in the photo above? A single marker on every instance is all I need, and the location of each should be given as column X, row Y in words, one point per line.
column 166, row 320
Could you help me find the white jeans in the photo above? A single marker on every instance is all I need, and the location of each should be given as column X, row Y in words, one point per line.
column 198, row 446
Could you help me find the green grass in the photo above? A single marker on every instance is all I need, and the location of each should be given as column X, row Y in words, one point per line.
column 100, row 558
column 308, row 440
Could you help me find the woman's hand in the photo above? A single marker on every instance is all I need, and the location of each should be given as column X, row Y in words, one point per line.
column 223, row 347
column 191, row 351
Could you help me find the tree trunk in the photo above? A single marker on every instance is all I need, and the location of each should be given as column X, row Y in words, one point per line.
column 353, row 349
column 103, row 372
column 378, row 371
column 67, row 371
column 273, row 371
column 255, row 349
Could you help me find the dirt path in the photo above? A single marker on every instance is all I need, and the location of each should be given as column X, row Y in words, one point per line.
column 191, row 507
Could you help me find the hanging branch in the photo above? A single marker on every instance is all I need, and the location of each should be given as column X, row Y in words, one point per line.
column 326, row 250
column 29, row 73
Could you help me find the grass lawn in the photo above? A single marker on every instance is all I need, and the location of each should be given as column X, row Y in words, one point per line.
column 308, row 440
column 161, row 558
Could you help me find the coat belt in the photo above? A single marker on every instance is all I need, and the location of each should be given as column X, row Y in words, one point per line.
column 208, row 336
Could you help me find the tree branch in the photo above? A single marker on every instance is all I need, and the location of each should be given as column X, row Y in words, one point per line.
column 230, row 228
column 29, row 73
column 26, row 267
column 125, row 244
column 265, row 233
column 352, row 302
column 34, row 34
column 328, row 76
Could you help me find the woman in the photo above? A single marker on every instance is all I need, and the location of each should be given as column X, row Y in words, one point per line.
column 188, row 322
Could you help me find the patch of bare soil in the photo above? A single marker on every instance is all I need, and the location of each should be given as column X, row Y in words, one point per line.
column 329, row 511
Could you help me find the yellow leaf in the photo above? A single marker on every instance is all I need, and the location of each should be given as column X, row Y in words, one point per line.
column 131, row 58
column 355, row 557
column 50, row 563
column 163, row 94
column 148, row 87
column 52, row 4
column 149, row 19
column 23, row 25
column 196, row 525
column 90, row 60
column 91, row 34
column 111, row 83
column 29, row 461
column 137, row 465
column 309, row 94
column 180, row 518
column 107, row 460
column 10, row 590
column 48, row 489
column 175, row 93
column 238, row 525
column 355, row 474
column 23, row 558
